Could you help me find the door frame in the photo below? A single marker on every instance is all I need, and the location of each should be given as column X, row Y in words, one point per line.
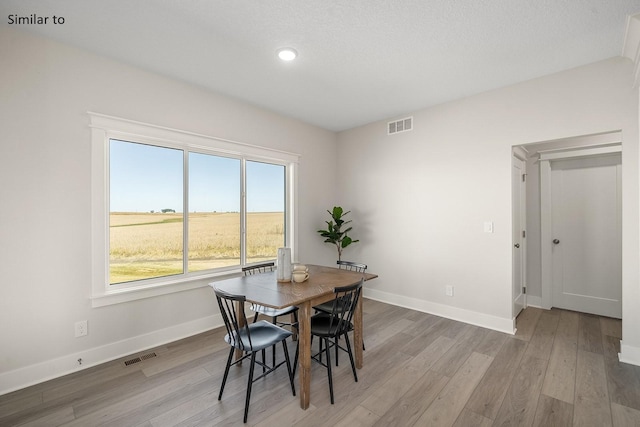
column 520, row 153
column 595, row 145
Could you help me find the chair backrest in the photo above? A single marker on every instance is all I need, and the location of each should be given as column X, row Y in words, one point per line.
column 259, row 268
column 344, row 306
column 233, row 319
column 352, row 266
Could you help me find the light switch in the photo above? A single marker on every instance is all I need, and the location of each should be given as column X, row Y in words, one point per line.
column 488, row 227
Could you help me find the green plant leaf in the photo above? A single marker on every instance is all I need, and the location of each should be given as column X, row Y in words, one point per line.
column 337, row 212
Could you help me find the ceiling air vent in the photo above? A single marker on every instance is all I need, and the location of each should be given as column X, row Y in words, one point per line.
column 402, row 125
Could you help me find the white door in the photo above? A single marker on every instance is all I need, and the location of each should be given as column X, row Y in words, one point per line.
column 586, row 235
column 518, row 174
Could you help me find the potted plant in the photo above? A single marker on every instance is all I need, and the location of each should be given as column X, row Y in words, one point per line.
column 334, row 233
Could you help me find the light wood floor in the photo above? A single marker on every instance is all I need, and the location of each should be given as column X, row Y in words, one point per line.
column 560, row 369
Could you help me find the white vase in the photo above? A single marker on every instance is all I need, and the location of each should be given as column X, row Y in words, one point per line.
column 284, row 265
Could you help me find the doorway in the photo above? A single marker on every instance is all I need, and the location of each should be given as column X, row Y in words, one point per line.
column 581, row 229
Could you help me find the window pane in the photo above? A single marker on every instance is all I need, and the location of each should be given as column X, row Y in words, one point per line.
column 214, row 212
column 265, row 210
column 146, row 211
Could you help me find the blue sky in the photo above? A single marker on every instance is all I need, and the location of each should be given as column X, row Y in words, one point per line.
column 145, row 178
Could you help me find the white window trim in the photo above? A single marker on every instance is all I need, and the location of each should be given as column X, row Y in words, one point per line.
column 104, row 128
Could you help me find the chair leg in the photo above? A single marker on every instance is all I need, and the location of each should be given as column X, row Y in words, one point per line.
column 286, row 358
column 273, row 348
column 264, row 362
column 255, row 318
column 249, row 384
column 353, row 365
column 297, row 341
column 311, row 343
column 364, row 349
column 226, row 372
column 337, row 350
column 328, row 352
column 295, row 359
column 296, row 325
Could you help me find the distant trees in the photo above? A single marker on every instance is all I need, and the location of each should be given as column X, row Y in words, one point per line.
column 168, row 211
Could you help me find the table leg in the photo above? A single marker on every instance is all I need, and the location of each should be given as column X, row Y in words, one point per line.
column 304, row 361
column 357, row 333
column 241, row 322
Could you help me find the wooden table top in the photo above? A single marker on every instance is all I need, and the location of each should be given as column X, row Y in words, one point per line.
column 265, row 289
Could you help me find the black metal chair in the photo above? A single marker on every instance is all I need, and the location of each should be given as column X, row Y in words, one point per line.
column 352, row 266
column 327, row 306
column 272, row 313
column 331, row 326
column 250, row 339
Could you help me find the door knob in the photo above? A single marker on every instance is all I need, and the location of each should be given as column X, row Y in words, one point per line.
column 556, row 241
column 517, row 245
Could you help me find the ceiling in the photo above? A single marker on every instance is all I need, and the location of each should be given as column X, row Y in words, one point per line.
column 359, row 60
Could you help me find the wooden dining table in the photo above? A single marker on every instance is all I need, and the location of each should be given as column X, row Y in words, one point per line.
column 264, row 289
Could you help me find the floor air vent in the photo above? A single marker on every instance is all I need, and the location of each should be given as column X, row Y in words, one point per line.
column 139, row 359
column 402, row 125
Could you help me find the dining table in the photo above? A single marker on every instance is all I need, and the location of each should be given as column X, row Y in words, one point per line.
column 265, row 289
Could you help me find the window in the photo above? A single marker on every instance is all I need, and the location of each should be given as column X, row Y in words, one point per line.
column 175, row 207
column 265, row 210
column 214, row 212
column 145, row 211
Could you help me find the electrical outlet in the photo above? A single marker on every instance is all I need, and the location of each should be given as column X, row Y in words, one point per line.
column 81, row 328
column 449, row 290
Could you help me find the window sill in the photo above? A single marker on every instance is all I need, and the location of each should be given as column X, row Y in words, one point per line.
column 122, row 295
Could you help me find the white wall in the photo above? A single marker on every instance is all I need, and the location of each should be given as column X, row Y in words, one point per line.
column 46, row 90
column 630, row 343
column 418, row 199
column 423, row 196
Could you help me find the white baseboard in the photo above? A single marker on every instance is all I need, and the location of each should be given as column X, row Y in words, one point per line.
column 488, row 321
column 629, row 354
column 533, row 301
column 50, row 369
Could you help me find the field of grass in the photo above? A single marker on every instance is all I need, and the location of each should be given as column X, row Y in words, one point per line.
column 146, row 245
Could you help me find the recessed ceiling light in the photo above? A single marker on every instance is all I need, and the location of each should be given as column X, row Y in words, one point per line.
column 287, row 53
